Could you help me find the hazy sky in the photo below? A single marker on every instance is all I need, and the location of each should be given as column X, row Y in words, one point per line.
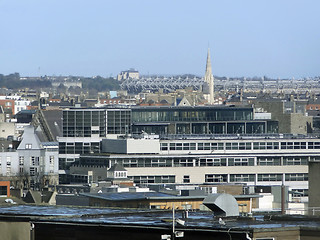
column 276, row 38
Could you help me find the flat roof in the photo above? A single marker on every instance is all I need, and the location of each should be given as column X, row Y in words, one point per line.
column 220, row 107
column 138, row 196
column 155, row 218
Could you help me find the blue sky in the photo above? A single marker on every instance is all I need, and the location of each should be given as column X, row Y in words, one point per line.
column 101, row 37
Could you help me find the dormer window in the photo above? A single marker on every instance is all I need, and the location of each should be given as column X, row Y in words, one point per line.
column 117, row 171
column 28, row 146
column 121, row 174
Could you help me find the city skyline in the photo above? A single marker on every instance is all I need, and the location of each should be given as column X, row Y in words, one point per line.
column 247, row 38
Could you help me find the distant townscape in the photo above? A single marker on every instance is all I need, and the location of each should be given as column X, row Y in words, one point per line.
column 227, row 146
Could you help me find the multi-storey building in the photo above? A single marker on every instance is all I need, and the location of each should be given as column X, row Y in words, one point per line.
column 83, row 130
column 33, row 162
column 129, row 74
column 190, row 159
column 199, row 120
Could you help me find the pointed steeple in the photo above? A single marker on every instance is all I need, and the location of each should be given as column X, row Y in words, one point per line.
column 208, row 66
column 209, row 79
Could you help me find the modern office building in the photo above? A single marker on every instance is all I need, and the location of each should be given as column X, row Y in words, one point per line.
column 199, row 120
column 83, row 130
column 264, row 160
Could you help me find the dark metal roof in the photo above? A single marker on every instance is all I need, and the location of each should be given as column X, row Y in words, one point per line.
column 54, row 121
column 145, row 217
column 117, row 167
column 136, row 196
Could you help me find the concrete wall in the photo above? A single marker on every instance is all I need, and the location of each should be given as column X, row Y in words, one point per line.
column 314, row 190
column 284, row 234
column 197, row 174
column 301, row 124
column 99, row 173
column 15, row 230
column 131, row 146
column 7, row 129
column 295, row 123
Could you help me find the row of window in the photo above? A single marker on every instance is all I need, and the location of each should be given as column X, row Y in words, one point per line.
column 154, row 179
column 34, row 161
column 187, row 146
column 169, row 115
column 209, row 161
column 223, row 178
column 78, row 147
column 252, row 177
column 84, row 123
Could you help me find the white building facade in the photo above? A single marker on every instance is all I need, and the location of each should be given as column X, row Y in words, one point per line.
column 259, row 160
column 32, row 162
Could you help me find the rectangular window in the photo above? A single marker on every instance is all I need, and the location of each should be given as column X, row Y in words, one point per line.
column 295, row 161
column 299, row 192
column 228, row 146
column 186, row 179
column 296, row 177
column 209, row 178
column 183, row 162
column 178, row 146
column 268, row 161
column 172, row 146
column 216, row 146
column 51, row 160
column 269, row 177
column 153, row 179
column 28, row 146
column 3, row 191
column 206, row 146
column 200, row 146
column 32, row 171
column 21, row 160
column 32, row 160
column 242, row 177
column 313, row 145
column 240, row 161
column 8, row 161
column 164, row 146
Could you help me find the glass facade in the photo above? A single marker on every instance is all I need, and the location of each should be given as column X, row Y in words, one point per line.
column 190, row 114
column 118, row 121
column 199, row 120
column 96, row 122
column 84, row 123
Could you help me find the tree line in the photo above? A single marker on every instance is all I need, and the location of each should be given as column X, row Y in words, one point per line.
column 98, row 83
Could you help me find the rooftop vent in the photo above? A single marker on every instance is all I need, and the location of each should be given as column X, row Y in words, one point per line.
column 222, row 204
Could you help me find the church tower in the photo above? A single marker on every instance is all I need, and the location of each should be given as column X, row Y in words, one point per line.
column 208, row 78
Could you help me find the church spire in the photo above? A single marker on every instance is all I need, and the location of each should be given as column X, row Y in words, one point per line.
column 208, row 66
column 209, row 79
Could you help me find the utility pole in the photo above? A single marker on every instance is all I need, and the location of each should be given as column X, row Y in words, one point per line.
column 173, row 222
